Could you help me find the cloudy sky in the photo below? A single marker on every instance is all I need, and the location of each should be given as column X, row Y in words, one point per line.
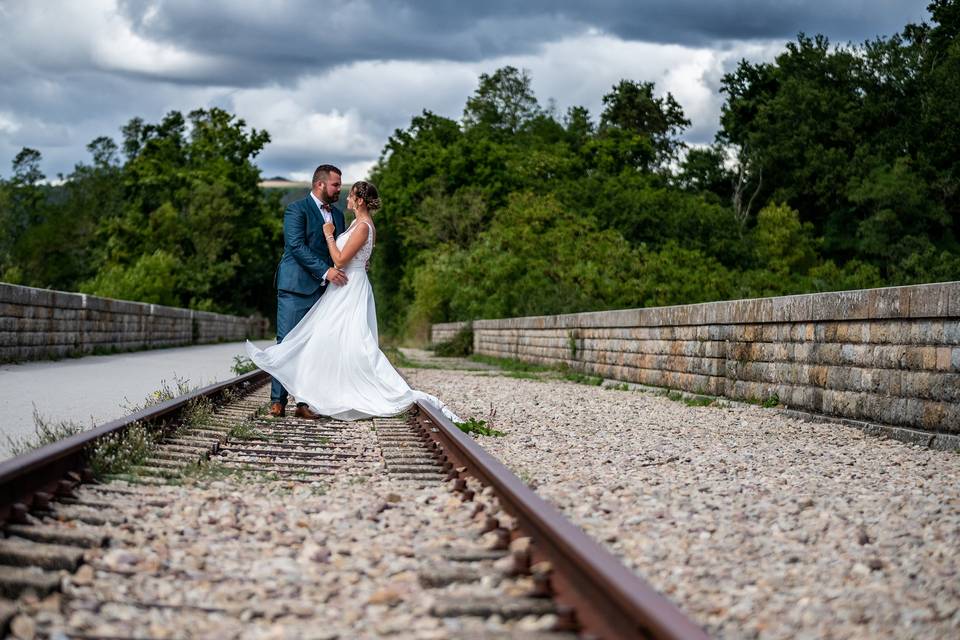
column 331, row 81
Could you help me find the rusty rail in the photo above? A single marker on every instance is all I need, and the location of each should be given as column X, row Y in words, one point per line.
column 608, row 599
column 56, row 468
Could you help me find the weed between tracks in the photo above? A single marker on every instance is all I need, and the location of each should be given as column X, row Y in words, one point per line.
column 117, row 456
column 247, row 431
column 44, row 432
column 216, row 471
column 119, row 453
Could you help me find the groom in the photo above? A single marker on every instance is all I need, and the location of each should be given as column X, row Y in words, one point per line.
column 306, row 267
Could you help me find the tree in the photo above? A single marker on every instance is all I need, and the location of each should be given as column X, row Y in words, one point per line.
column 939, row 126
column 504, row 102
column 645, row 128
column 192, row 212
column 24, row 207
column 703, row 171
column 536, row 257
column 785, row 251
column 860, row 140
column 579, row 127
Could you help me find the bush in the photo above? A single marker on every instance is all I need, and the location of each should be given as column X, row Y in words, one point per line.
column 149, row 279
column 459, row 346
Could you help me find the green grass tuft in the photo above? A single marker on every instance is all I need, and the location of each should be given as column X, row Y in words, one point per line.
column 247, row 431
column 770, row 402
column 583, row 378
column 44, row 432
column 242, row 365
column 508, row 364
column 118, row 452
column 523, row 375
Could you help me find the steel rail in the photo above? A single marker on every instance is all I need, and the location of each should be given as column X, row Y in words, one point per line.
column 609, row 600
column 57, row 467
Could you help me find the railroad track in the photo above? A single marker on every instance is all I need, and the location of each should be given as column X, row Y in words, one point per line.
column 249, row 526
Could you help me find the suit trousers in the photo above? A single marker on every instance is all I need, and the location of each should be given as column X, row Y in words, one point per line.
column 291, row 307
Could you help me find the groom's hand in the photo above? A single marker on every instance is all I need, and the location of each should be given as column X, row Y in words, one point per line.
column 336, row 276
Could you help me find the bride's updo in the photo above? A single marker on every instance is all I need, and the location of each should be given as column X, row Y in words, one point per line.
column 368, row 193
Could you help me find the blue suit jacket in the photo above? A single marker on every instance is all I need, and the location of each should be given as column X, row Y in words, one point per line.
column 305, row 255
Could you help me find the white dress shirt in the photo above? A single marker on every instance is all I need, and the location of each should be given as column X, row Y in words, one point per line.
column 327, row 217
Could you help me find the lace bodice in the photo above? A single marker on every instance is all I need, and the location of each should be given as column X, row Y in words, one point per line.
column 363, row 255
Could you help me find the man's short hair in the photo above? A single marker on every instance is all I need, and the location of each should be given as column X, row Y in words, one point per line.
column 322, row 173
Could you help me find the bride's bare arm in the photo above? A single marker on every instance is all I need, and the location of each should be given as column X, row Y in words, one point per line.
column 357, row 239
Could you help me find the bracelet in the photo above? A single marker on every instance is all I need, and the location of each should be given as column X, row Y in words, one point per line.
column 329, row 237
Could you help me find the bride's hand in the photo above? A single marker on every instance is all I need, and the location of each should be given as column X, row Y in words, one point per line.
column 328, row 229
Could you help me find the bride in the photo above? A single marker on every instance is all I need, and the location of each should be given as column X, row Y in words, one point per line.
column 332, row 360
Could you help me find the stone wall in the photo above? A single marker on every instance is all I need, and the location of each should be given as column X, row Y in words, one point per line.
column 37, row 324
column 889, row 356
column 446, row 332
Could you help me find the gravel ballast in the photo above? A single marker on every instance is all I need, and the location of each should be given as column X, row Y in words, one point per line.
column 755, row 524
column 228, row 553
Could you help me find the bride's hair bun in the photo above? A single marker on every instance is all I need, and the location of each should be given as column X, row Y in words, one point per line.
column 368, row 193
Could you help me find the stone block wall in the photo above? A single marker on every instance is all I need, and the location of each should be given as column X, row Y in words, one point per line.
column 889, row 356
column 446, row 331
column 37, row 324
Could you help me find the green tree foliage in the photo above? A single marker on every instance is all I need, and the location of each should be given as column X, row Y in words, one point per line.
column 25, row 206
column 193, row 215
column 180, row 220
column 453, row 193
column 504, row 102
column 152, row 278
column 862, row 141
column 678, row 275
column 639, row 128
column 834, row 168
column 535, row 257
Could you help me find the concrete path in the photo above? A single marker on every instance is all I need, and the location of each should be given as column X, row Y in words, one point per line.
column 96, row 389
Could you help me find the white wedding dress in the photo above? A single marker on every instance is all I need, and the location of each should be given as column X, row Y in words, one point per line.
column 332, row 360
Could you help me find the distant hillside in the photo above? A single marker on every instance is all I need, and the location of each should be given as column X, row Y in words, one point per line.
column 294, row 190
column 283, row 183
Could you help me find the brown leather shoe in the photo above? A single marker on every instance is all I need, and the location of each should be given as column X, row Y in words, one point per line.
column 303, row 411
column 277, row 410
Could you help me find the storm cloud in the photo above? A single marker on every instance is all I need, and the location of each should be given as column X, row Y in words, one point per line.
column 330, row 81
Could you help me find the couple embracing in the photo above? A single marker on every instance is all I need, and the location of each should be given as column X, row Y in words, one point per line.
column 327, row 353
